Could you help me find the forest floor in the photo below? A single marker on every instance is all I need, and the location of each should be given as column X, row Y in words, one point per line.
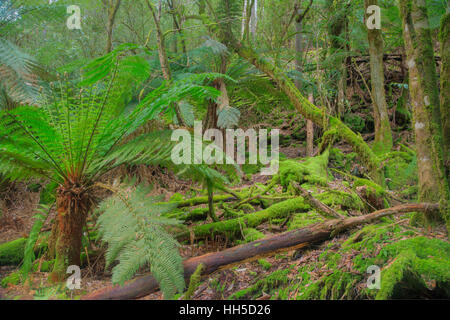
column 288, row 275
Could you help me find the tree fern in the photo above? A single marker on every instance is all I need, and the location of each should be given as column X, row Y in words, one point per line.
column 133, row 226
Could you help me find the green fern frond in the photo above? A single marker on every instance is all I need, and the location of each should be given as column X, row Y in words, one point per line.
column 132, row 224
column 29, row 257
column 18, row 73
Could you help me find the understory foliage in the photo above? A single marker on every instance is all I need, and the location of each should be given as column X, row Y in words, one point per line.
column 132, row 223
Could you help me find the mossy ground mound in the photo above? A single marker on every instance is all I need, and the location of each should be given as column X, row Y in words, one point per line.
column 412, row 266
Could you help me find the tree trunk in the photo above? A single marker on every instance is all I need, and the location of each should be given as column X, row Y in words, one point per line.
column 445, row 89
column 337, row 29
column 383, row 136
column 72, row 208
column 215, row 106
column 162, row 54
column 292, row 240
column 112, row 11
column 298, row 67
column 310, row 132
column 425, row 104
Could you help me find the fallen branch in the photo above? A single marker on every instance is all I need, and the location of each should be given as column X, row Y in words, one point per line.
column 316, row 203
column 292, row 240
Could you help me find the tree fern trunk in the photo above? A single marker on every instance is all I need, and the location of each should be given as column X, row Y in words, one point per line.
column 72, row 208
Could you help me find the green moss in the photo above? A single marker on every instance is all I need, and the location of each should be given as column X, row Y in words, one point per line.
column 341, row 160
column 401, row 170
column 344, row 199
column 265, row 264
column 13, row 278
column 408, row 266
column 249, row 235
column 11, row 253
column 313, row 170
column 176, row 197
column 304, row 219
column 232, row 226
column 264, row 285
column 46, row 266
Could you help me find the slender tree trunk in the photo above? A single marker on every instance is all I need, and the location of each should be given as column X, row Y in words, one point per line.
column 248, row 19
column 72, row 208
column 310, row 132
column 162, row 54
column 298, row 65
column 425, row 104
column 383, row 135
column 112, row 11
column 445, row 89
column 337, row 26
column 254, row 19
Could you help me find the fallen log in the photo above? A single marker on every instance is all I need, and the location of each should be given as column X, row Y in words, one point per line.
column 254, row 250
column 204, row 200
column 278, row 210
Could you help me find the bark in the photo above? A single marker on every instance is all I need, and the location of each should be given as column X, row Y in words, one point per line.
column 304, row 107
column 445, row 89
column 72, row 208
column 433, row 185
column 292, row 240
column 112, row 11
column 383, row 135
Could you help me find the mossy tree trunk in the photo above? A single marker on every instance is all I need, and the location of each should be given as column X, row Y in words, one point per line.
column 72, row 209
column 445, row 88
column 304, row 107
column 383, row 135
column 423, row 85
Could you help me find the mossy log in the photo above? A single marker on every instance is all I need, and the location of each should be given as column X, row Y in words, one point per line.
column 12, row 253
column 278, row 210
column 204, row 200
column 292, row 240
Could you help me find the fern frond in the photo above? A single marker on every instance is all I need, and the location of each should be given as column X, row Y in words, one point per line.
column 133, row 226
column 29, row 257
column 18, row 73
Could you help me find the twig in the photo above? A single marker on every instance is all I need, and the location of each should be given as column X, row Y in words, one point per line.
column 316, row 203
